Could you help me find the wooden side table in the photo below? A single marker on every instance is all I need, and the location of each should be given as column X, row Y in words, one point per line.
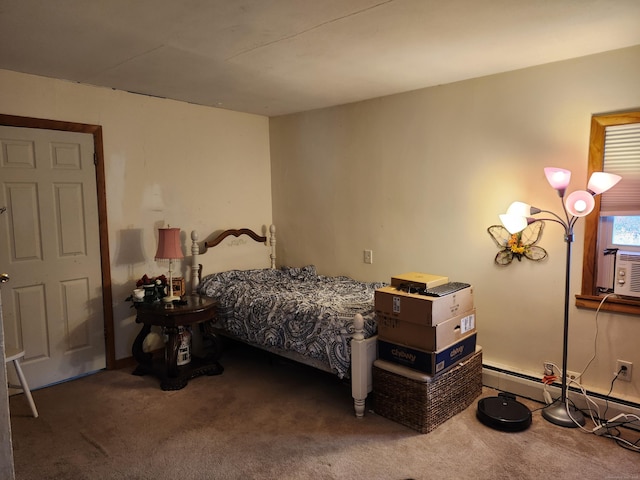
column 196, row 310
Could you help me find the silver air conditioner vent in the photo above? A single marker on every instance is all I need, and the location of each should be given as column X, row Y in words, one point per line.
column 627, row 282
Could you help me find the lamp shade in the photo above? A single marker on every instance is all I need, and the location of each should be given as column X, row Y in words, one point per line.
column 514, row 223
column 580, row 203
column 522, row 209
column 601, row 182
column 558, row 178
column 169, row 244
column 519, row 208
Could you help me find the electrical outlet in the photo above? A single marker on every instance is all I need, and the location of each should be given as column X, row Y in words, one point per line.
column 549, row 369
column 368, row 256
column 575, row 376
column 626, row 368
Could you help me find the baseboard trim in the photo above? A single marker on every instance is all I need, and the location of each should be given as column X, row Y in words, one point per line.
column 530, row 387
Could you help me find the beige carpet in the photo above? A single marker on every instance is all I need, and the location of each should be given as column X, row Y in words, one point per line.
column 277, row 420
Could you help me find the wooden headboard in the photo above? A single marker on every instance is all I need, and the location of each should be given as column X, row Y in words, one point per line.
column 196, row 266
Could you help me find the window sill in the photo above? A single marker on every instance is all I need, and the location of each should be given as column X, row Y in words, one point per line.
column 612, row 304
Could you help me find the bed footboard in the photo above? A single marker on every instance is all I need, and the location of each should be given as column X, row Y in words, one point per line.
column 363, row 353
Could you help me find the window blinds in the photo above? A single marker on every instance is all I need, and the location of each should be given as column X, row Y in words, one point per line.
column 622, row 157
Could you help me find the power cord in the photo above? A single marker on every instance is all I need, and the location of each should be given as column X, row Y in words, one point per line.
column 606, row 398
column 595, row 337
column 602, row 427
column 550, row 377
column 609, row 428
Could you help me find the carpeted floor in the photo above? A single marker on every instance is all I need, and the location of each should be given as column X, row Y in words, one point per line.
column 277, row 420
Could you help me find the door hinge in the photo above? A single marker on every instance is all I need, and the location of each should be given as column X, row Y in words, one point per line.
column 95, row 158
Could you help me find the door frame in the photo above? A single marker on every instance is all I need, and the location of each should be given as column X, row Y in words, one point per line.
column 96, row 131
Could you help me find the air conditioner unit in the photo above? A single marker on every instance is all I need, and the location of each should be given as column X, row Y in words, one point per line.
column 627, row 281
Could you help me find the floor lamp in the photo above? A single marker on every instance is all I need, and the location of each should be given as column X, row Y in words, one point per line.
column 578, row 204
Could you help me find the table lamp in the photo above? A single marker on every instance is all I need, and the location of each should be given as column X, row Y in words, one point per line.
column 169, row 249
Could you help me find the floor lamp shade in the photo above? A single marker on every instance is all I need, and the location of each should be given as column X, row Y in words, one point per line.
column 580, row 203
column 558, row 178
column 169, row 248
column 513, row 223
column 600, row 182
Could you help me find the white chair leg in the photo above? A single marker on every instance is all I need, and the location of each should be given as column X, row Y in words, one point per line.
column 25, row 387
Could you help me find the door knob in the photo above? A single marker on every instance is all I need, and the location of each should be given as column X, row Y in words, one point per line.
column 4, row 277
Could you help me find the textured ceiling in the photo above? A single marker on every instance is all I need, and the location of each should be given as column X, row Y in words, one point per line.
column 273, row 57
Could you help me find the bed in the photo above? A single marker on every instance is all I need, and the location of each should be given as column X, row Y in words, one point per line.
column 325, row 322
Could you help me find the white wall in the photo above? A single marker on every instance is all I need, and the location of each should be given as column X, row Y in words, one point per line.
column 166, row 162
column 418, row 178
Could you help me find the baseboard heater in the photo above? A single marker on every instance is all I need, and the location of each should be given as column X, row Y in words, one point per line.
column 526, row 386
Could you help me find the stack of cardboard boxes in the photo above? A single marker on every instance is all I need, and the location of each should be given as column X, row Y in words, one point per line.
column 424, row 332
column 429, row 367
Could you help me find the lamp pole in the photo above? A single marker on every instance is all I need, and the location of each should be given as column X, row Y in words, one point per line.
column 560, row 412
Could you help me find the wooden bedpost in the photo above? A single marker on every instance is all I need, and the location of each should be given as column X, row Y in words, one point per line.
column 272, row 242
column 363, row 353
column 195, row 266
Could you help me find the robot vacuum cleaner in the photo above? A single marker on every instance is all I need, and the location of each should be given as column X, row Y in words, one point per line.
column 504, row 412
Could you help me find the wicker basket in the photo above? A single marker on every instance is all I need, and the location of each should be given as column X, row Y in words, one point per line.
column 424, row 402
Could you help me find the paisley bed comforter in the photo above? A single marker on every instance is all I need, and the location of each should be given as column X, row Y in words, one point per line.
column 293, row 309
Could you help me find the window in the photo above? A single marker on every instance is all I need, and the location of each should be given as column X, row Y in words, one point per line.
column 626, row 231
column 615, row 223
column 619, row 227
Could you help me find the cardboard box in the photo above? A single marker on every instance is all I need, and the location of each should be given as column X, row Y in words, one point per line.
column 426, row 337
column 422, row 309
column 428, row 362
column 419, row 280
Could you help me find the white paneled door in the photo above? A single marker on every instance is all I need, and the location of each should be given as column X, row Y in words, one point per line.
column 49, row 246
